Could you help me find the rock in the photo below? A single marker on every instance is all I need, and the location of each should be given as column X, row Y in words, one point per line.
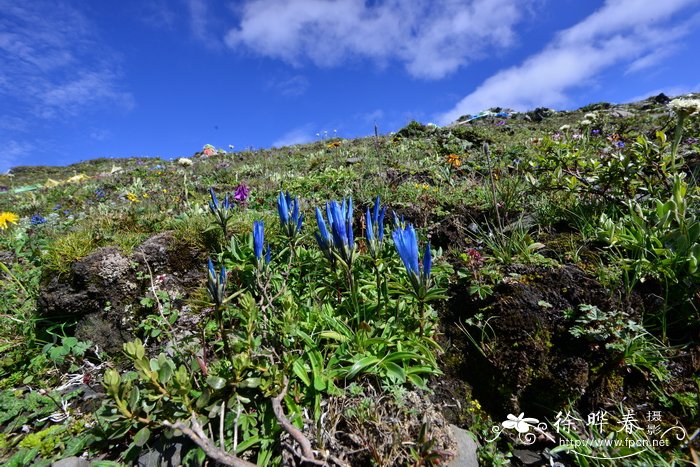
column 536, row 362
column 528, row 457
column 72, row 461
column 165, row 453
column 466, row 449
column 661, row 99
column 620, row 113
column 103, row 290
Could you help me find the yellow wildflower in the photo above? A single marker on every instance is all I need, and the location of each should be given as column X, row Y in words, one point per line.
column 132, row 197
column 7, row 218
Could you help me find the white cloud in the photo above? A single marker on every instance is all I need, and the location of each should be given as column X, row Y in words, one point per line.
column 13, row 153
column 430, row 40
column 53, row 63
column 291, row 86
column 621, row 33
column 299, row 135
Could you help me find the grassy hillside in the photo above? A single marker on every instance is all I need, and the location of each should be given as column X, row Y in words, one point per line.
column 541, row 263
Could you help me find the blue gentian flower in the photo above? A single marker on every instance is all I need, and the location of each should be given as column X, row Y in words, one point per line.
column 340, row 240
column 290, row 218
column 323, row 237
column 258, row 241
column 341, row 229
column 214, row 205
column 216, row 283
column 222, row 211
column 374, row 232
column 37, row 220
column 407, row 246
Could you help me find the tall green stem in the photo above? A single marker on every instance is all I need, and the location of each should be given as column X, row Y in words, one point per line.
column 678, row 134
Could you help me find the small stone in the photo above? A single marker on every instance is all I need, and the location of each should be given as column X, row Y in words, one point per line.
column 72, row 461
column 466, row 449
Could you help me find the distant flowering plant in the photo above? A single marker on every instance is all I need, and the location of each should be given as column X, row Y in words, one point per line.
column 291, row 219
column 241, row 193
column 454, row 160
column 685, row 106
column 223, row 211
column 37, row 220
column 374, row 232
column 7, row 218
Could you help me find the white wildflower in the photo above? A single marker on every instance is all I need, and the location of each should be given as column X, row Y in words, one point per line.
column 686, row 107
column 585, row 122
column 185, row 162
column 564, row 127
column 590, row 116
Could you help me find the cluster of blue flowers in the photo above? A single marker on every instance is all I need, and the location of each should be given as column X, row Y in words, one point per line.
column 340, row 240
column 290, row 218
column 336, row 242
column 215, row 206
column 375, row 229
column 407, row 246
column 37, row 220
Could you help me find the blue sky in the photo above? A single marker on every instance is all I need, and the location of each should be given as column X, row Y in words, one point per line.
column 87, row 79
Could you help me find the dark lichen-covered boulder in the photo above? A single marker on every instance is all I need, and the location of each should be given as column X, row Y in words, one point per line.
column 530, row 358
column 102, row 291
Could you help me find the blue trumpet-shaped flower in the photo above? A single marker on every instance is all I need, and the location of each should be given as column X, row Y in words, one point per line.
column 407, row 246
column 216, row 283
column 340, row 240
column 259, row 242
column 375, row 228
column 222, row 210
column 290, row 218
column 215, row 206
column 323, row 237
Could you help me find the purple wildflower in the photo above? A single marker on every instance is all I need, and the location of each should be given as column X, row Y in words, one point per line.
column 242, row 192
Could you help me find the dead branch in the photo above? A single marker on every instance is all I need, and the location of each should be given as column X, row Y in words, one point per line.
column 197, row 435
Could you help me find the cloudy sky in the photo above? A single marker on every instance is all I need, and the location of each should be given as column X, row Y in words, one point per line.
column 80, row 80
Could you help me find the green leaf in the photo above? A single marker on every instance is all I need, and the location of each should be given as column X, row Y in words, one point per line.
column 333, row 336
column 134, row 396
column 141, row 437
column 317, row 369
column 395, row 372
column 165, row 373
column 247, row 443
column 69, row 342
column 250, row 383
column 394, row 356
column 301, row 372
column 216, row 382
column 362, row 365
column 417, row 381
